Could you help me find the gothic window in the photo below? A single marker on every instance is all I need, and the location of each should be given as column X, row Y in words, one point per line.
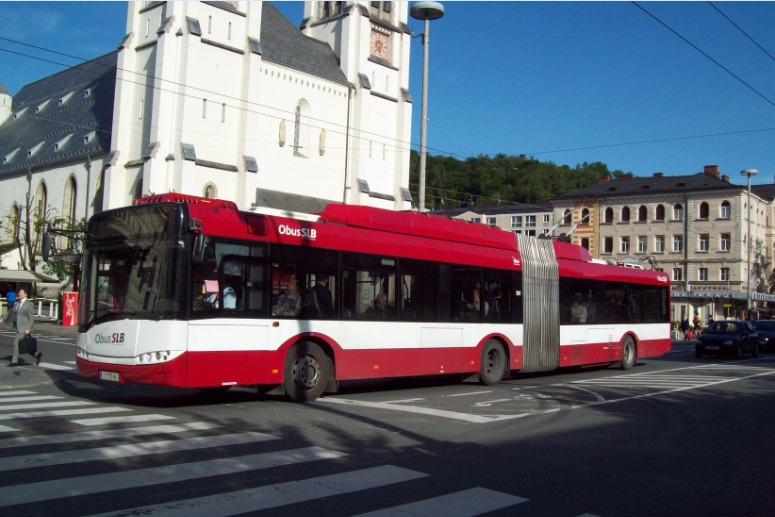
column 68, row 205
column 301, row 129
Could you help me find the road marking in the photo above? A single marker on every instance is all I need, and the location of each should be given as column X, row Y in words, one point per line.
column 123, row 419
column 108, row 482
column 42, row 405
column 131, row 450
column 469, row 394
column 274, row 496
column 127, row 432
column 15, row 393
column 466, row 503
column 485, row 419
column 454, row 415
column 63, row 412
column 52, row 366
column 29, row 398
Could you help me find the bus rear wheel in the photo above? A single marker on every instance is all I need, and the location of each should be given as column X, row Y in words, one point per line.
column 306, row 372
column 629, row 354
column 494, row 363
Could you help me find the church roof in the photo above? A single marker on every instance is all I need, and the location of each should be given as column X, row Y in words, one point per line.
column 283, row 43
column 69, row 115
column 60, row 118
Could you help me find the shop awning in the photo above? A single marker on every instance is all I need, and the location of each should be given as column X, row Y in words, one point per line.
column 22, row 276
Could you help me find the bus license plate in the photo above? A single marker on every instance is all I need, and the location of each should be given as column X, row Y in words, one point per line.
column 110, row 376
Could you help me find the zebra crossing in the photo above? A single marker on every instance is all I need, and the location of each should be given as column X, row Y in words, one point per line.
column 131, row 436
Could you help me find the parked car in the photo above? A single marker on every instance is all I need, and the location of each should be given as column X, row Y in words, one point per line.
column 728, row 336
column 766, row 331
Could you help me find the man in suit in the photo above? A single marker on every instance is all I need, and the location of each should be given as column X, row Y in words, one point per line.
column 22, row 317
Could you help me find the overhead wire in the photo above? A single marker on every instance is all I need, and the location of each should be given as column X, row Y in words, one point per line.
column 698, row 49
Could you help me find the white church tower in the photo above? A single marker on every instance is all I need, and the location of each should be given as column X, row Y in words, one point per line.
column 372, row 41
column 232, row 100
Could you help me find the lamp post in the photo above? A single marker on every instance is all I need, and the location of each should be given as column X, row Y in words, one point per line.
column 425, row 11
column 748, row 173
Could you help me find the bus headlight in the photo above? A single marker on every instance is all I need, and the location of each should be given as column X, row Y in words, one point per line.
column 154, row 357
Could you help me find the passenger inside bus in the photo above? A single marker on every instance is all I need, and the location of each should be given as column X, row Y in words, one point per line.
column 381, row 309
column 289, row 302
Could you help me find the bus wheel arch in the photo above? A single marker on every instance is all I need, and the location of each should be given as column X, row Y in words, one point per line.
column 494, row 366
column 308, row 371
column 629, row 352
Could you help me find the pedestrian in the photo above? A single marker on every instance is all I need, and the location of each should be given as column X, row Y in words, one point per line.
column 22, row 317
column 10, row 295
column 685, row 327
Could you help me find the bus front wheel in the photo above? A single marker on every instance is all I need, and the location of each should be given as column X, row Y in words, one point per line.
column 306, row 372
column 494, row 363
column 628, row 354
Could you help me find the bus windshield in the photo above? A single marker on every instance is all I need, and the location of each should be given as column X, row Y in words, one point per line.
column 134, row 265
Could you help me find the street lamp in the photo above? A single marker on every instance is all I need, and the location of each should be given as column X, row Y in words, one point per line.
column 425, row 11
column 748, row 173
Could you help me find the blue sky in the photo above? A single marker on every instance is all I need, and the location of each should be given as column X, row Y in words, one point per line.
column 565, row 82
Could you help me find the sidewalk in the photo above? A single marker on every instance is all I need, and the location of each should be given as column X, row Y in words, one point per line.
column 52, row 327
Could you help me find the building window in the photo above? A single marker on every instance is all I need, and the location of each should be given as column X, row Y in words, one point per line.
column 678, row 243
column 608, row 245
column 726, row 242
column 476, row 220
column 567, row 218
column 702, row 274
column 724, row 274
column 659, row 243
column 624, row 245
column 704, row 242
column 626, row 214
column 609, row 215
column 704, row 210
column 516, row 221
column 530, row 221
column 491, row 221
column 301, row 130
column 643, row 214
column 643, row 245
column 585, row 217
column 678, row 212
column 210, row 191
column 726, row 210
column 677, row 274
column 659, row 214
column 547, row 218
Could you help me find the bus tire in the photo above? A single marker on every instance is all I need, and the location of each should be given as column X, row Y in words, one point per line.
column 306, row 372
column 629, row 354
column 494, row 363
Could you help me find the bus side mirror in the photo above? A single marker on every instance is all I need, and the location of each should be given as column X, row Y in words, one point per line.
column 48, row 243
column 198, row 252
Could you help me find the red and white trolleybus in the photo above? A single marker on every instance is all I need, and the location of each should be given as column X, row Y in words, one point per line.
column 184, row 291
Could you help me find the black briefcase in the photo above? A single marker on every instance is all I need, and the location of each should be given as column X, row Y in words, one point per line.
column 28, row 345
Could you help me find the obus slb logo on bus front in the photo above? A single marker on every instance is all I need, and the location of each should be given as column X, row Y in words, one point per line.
column 106, row 339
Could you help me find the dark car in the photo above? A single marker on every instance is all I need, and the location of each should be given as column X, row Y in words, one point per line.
column 728, row 336
column 766, row 331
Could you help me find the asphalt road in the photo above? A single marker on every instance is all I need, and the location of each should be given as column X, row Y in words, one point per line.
column 675, row 436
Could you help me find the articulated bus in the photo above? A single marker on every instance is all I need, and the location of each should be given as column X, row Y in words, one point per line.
column 184, row 291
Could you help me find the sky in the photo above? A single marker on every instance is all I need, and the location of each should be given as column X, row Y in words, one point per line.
column 643, row 87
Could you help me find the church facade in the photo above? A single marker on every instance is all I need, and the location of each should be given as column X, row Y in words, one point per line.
column 220, row 99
